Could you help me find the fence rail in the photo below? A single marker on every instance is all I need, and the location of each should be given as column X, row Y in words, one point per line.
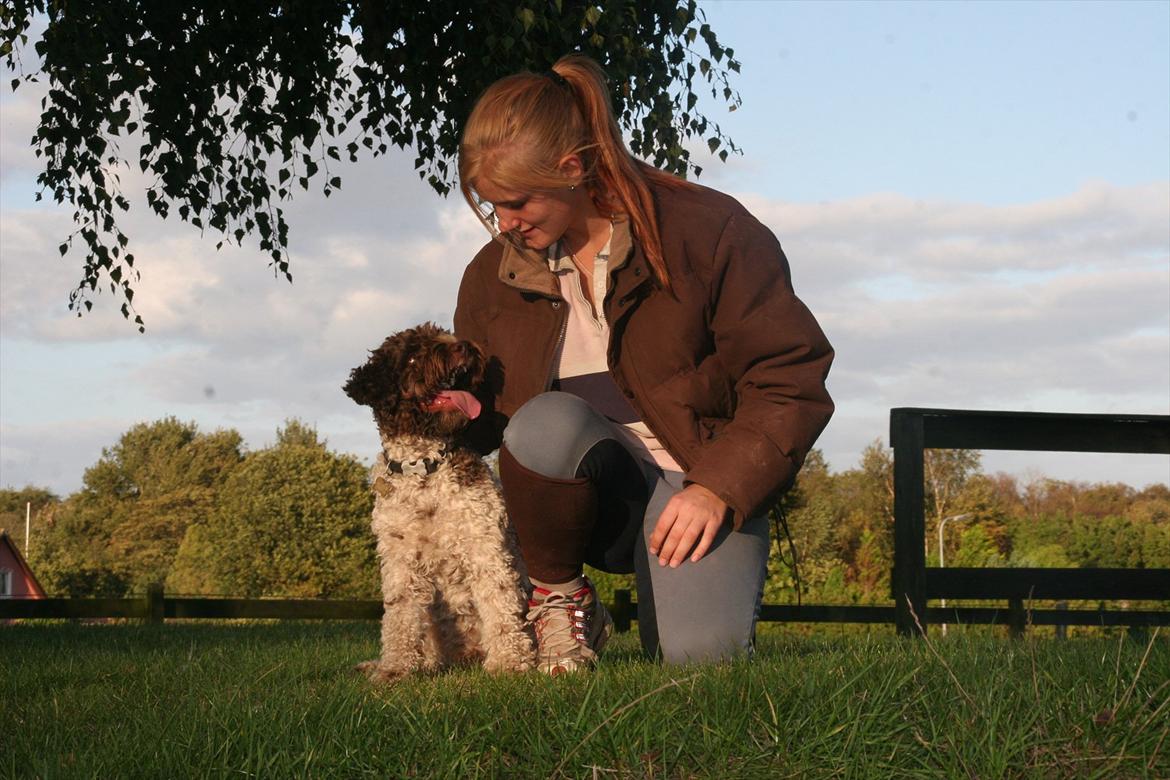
column 157, row 607
column 1050, row 584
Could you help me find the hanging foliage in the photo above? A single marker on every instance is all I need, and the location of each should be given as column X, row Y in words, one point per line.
column 228, row 107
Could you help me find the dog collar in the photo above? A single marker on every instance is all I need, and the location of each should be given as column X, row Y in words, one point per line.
column 420, row 467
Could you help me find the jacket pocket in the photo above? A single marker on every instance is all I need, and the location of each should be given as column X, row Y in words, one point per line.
column 711, row 427
column 705, row 392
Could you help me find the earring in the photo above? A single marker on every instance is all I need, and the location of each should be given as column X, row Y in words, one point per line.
column 572, row 187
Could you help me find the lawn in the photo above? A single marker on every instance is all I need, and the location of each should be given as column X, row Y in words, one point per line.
column 269, row 699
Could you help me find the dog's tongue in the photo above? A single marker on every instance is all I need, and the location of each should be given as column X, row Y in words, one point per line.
column 450, row 400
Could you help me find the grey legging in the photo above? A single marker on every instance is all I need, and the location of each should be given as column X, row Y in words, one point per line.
column 703, row 610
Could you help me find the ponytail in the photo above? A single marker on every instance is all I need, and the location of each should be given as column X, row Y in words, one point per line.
column 541, row 119
column 617, row 174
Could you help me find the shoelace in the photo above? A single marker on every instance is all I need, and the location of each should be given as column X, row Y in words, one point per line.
column 562, row 628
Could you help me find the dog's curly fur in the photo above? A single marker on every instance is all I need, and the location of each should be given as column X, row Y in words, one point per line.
column 452, row 576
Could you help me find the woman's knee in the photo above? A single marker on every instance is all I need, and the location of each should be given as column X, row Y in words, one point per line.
column 707, row 611
column 706, row 643
column 548, row 410
column 552, row 431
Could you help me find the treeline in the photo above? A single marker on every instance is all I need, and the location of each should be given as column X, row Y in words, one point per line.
column 196, row 512
column 842, row 524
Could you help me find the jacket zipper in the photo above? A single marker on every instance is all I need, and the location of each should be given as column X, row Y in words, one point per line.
column 558, row 343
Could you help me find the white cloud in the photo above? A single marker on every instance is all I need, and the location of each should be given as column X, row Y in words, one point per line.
column 863, row 240
column 970, row 306
column 54, row 455
column 19, row 114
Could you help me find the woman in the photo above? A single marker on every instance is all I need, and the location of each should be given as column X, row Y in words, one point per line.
column 687, row 378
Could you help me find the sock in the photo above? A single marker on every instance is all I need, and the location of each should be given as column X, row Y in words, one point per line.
column 572, row 586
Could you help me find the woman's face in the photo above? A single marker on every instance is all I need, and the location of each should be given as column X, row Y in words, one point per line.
column 538, row 219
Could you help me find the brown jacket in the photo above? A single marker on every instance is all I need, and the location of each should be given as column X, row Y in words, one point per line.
column 728, row 372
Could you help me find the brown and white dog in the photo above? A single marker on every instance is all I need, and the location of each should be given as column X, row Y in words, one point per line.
column 452, row 576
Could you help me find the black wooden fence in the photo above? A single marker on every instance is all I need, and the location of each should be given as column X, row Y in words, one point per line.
column 155, row 607
column 914, row 430
column 911, row 431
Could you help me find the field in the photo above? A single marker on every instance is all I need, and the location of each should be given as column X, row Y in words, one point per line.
column 268, row 699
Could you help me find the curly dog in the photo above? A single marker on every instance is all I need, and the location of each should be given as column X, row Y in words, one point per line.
column 452, row 577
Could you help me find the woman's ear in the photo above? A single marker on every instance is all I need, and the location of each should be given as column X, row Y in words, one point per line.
column 572, row 168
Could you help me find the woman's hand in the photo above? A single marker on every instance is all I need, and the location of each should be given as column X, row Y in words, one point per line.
column 692, row 515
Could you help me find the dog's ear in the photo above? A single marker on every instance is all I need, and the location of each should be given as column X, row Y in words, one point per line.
column 370, row 383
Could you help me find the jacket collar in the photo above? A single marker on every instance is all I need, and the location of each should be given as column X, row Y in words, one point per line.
column 621, row 244
column 626, row 256
column 528, row 270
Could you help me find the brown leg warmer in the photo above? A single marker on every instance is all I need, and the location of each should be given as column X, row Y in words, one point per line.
column 553, row 518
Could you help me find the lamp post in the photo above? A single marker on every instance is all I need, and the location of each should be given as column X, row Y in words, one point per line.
column 941, row 562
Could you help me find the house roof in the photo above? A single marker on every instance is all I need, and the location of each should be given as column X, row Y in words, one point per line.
column 6, row 541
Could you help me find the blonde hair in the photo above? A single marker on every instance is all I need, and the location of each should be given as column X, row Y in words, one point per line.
column 525, row 124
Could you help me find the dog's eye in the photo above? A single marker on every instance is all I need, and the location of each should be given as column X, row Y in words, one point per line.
column 410, row 362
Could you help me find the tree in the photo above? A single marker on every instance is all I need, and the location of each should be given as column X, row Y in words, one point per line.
column 121, row 531
column 866, row 537
column 1151, row 512
column 40, row 502
column 976, row 548
column 293, row 520
column 296, row 433
column 231, row 105
column 814, row 515
column 946, row 474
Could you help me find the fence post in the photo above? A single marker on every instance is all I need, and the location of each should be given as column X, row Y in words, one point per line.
column 155, row 608
column 909, row 575
column 1017, row 618
column 621, row 611
column 1137, row 633
column 1061, row 629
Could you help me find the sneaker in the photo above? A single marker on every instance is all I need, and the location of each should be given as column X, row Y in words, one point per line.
column 571, row 628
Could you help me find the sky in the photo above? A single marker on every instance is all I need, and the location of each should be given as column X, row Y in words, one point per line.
column 974, row 199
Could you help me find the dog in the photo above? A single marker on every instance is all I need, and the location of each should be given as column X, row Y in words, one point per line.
column 453, row 583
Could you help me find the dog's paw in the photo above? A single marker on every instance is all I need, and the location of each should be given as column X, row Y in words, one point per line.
column 508, row 665
column 378, row 673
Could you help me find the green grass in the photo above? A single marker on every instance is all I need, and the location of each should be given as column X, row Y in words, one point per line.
column 279, row 700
